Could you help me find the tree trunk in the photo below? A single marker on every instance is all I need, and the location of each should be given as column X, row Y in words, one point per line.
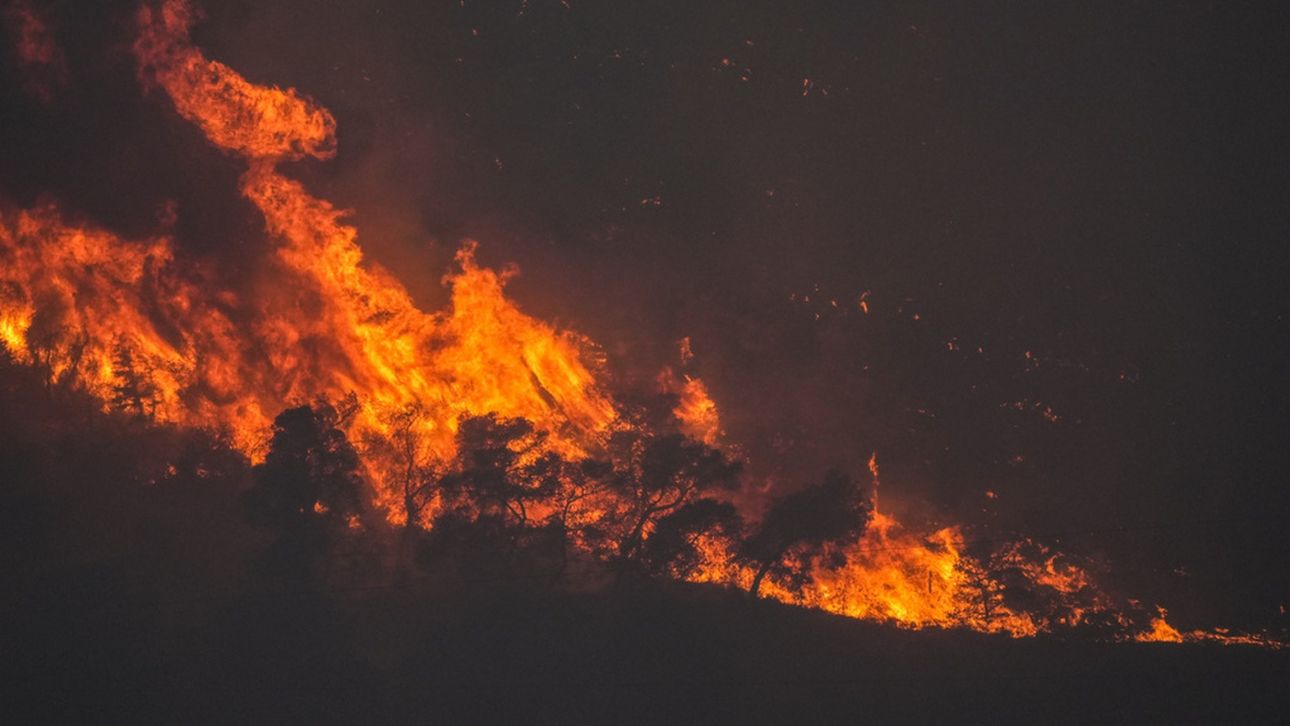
column 757, row 579
column 628, row 546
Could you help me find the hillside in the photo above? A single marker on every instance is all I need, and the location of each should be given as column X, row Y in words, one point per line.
column 137, row 600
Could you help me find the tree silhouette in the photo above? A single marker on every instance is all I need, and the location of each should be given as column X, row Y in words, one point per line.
column 402, row 458
column 674, row 547
column 414, row 473
column 490, row 477
column 308, row 489
column 801, row 525
column 487, row 522
column 658, row 476
column 582, row 497
column 132, row 390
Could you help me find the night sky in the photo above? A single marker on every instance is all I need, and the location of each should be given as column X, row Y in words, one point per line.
column 1094, row 195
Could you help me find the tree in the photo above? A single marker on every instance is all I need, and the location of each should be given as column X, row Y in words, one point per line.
column 499, row 472
column 675, row 546
column 132, row 390
column 412, row 470
column 487, row 519
column 799, row 526
column 308, row 490
column 583, row 494
column 402, row 459
column 660, row 475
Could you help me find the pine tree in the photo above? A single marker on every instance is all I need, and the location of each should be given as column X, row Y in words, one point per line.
column 133, row 390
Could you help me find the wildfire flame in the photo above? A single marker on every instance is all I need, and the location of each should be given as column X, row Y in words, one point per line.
column 927, row 580
column 142, row 329
column 1161, row 631
column 695, row 409
column 128, row 320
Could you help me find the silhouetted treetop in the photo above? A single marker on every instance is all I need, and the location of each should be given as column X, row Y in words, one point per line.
column 802, row 523
column 673, row 548
column 311, row 471
column 659, row 474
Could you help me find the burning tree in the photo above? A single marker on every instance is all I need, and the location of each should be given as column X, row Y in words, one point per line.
column 134, row 390
column 661, row 476
column 507, row 500
column 676, row 546
column 410, row 469
column 495, row 497
column 799, row 527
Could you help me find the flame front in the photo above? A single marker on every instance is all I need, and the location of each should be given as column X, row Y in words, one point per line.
column 143, row 330
column 927, row 580
column 349, row 328
column 130, row 322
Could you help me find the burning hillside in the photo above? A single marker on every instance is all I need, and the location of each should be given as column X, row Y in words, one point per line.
column 477, row 425
column 321, row 325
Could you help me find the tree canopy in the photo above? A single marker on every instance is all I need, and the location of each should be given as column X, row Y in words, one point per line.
column 800, row 525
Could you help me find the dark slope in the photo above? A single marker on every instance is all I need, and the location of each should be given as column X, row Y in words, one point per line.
column 131, row 595
column 630, row 657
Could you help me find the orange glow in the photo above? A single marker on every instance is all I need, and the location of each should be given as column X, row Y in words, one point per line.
column 697, row 412
column 895, row 575
column 915, row 580
column 687, row 353
column 72, row 301
column 42, row 61
column 911, row 580
column 363, row 333
column 1161, row 631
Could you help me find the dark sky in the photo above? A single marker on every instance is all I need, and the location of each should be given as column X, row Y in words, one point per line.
column 1100, row 185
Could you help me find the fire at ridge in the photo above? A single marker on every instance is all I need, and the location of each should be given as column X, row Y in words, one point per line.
column 918, row 580
column 141, row 331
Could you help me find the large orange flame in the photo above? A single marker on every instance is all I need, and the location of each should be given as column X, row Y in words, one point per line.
column 484, row 356
column 89, row 304
column 926, row 580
